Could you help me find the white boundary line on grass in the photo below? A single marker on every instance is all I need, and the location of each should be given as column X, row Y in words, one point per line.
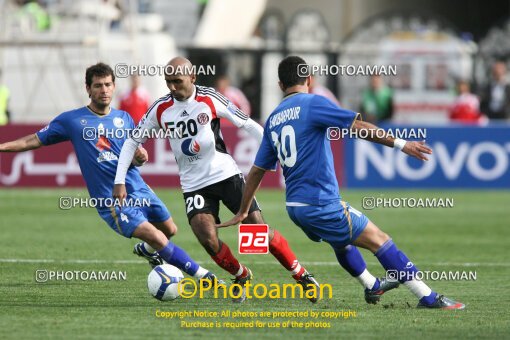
column 33, row 261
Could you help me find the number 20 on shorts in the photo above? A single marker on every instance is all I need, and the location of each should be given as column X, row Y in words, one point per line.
column 253, row 239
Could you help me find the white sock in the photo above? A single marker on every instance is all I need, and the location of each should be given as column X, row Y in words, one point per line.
column 200, row 273
column 240, row 271
column 366, row 279
column 418, row 288
column 149, row 249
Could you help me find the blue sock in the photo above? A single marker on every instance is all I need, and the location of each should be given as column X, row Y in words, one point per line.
column 395, row 261
column 351, row 260
column 179, row 258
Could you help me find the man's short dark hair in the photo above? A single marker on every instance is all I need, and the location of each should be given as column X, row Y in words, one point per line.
column 99, row 70
column 288, row 71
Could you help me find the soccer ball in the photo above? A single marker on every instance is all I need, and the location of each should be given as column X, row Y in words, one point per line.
column 163, row 282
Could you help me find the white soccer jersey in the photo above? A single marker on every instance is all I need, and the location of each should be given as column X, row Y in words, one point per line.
column 199, row 148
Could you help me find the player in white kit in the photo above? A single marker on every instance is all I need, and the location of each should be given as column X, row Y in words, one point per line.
column 208, row 174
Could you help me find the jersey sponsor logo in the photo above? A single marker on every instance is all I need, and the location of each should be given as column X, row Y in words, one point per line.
column 107, row 156
column 184, row 114
column 185, row 129
column 104, row 146
column 203, row 118
column 118, row 122
column 83, row 122
column 253, row 239
column 190, row 147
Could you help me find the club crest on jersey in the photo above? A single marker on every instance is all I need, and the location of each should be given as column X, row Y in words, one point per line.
column 190, row 147
column 203, row 118
column 118, row 122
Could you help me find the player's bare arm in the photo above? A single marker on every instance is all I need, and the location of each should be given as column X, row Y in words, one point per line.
column 26, row 143
column 252, row 185
column 415, row 149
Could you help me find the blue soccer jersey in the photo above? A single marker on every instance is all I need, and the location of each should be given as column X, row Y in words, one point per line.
column 96, row 145
column 295, row 134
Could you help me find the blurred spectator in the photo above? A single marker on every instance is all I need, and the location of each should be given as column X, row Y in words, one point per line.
column 234, row 94
column 377, row 101
column 36, row 12
column 466, row 108
column 496, row 95
column 116, row 22
column 316, row 88
column 136, row 101
column 4, row 103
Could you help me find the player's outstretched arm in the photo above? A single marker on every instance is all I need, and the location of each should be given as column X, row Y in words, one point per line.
column 236, row 116
column 252, row 184
column 254, row 129
column 414, row 149
column 26, row 143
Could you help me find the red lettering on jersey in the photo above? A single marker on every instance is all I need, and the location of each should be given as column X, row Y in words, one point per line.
column 103, row 143
column 161, row 108
column 208, row 101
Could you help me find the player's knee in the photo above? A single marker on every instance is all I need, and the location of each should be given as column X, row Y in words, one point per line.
column 157, row 239
column 168, row 228
column 255, row 217
column 172, row 229
column 372, row 238
column 380, row 238
column 150, row 234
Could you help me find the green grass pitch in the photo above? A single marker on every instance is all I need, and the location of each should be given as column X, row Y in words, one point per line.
column 472, row 236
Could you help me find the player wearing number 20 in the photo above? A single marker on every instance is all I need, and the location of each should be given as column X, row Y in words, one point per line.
column 207, row 172
column 296, row 135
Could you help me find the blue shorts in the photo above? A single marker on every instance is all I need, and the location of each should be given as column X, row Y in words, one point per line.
column 336, row 223
column 124, row 221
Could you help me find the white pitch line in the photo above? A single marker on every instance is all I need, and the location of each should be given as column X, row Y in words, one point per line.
column 74, row 261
